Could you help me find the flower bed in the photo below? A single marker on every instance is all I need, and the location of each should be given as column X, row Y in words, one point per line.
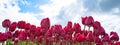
column 24, row 33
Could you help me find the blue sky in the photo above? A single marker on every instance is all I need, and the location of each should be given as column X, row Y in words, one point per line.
column 61, row 11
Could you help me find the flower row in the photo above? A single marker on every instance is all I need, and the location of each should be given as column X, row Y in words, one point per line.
column 23, row 33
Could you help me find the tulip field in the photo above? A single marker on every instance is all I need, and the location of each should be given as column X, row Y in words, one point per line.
column 24, row 33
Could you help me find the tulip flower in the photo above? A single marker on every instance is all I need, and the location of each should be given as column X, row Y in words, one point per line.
column 96, row 24
column 97, row 41
column 90, row 37
column 101, row 31
column 80, row 37
column 49, row 33
column 12, row 26
column 32, row 29
column 21, row 24
column 45, row 34
column 62, row 33
column 37, row 31
column 22, row 36
column 6, row 23
column 105, row 38
column 27, row 26
column 114, row 36
column 16, row 33
column 83, row 20
column 9, row 34
column 68, row 30
column 40, row 38
column 89, row 21
column 69, row 25
column 45, row 23
column 56, row 29
column 77, row 27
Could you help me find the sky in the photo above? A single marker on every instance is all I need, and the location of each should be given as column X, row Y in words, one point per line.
column 61, row 11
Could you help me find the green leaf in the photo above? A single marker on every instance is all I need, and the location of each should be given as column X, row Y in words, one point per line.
column 9, row 42
column 34, row 43
column 24, row 43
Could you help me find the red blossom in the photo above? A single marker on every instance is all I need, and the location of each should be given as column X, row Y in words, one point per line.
column 21, row 24
column 45, row 23
column 6, row 23
column 12, row 26
column 77, row 27
column 90, row 37
column 114, row 36
column 89, row 21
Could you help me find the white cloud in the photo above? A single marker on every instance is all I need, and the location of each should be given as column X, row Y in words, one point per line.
column 75, row 9
column 12, row 13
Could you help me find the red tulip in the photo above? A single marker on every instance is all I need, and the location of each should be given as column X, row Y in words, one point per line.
column 97, row 40
column 77, row 27
column 96, row 24
column 6, row 23
column 22, row 36
column 37, row 31
column 96, row 32
column 3, row 37
column 16, row 33
column 40, row 39
column 27, row 26
column 90, row 37
column 32, row 29
column 101, row 31
column 80, row 37
column 42, row 32
column 49, row 33
column 12, row 26
column 62, row 33
column 74, row 40
column 85, row 32
column 45, row 23
column 114, row 36
column 56, row 29
column 9, row 34
column 51, row 39
column 105, row 38
column 83, row 20
column 89, row 21
column 68, row 30
column 69, row 25
column 21, row 24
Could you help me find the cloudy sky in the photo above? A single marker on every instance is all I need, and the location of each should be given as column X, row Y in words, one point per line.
column 62, row 11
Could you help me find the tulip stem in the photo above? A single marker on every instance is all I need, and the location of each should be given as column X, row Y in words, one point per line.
column 84, row 27
column 6, row 29
column 89, row 28
column 3, row 43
